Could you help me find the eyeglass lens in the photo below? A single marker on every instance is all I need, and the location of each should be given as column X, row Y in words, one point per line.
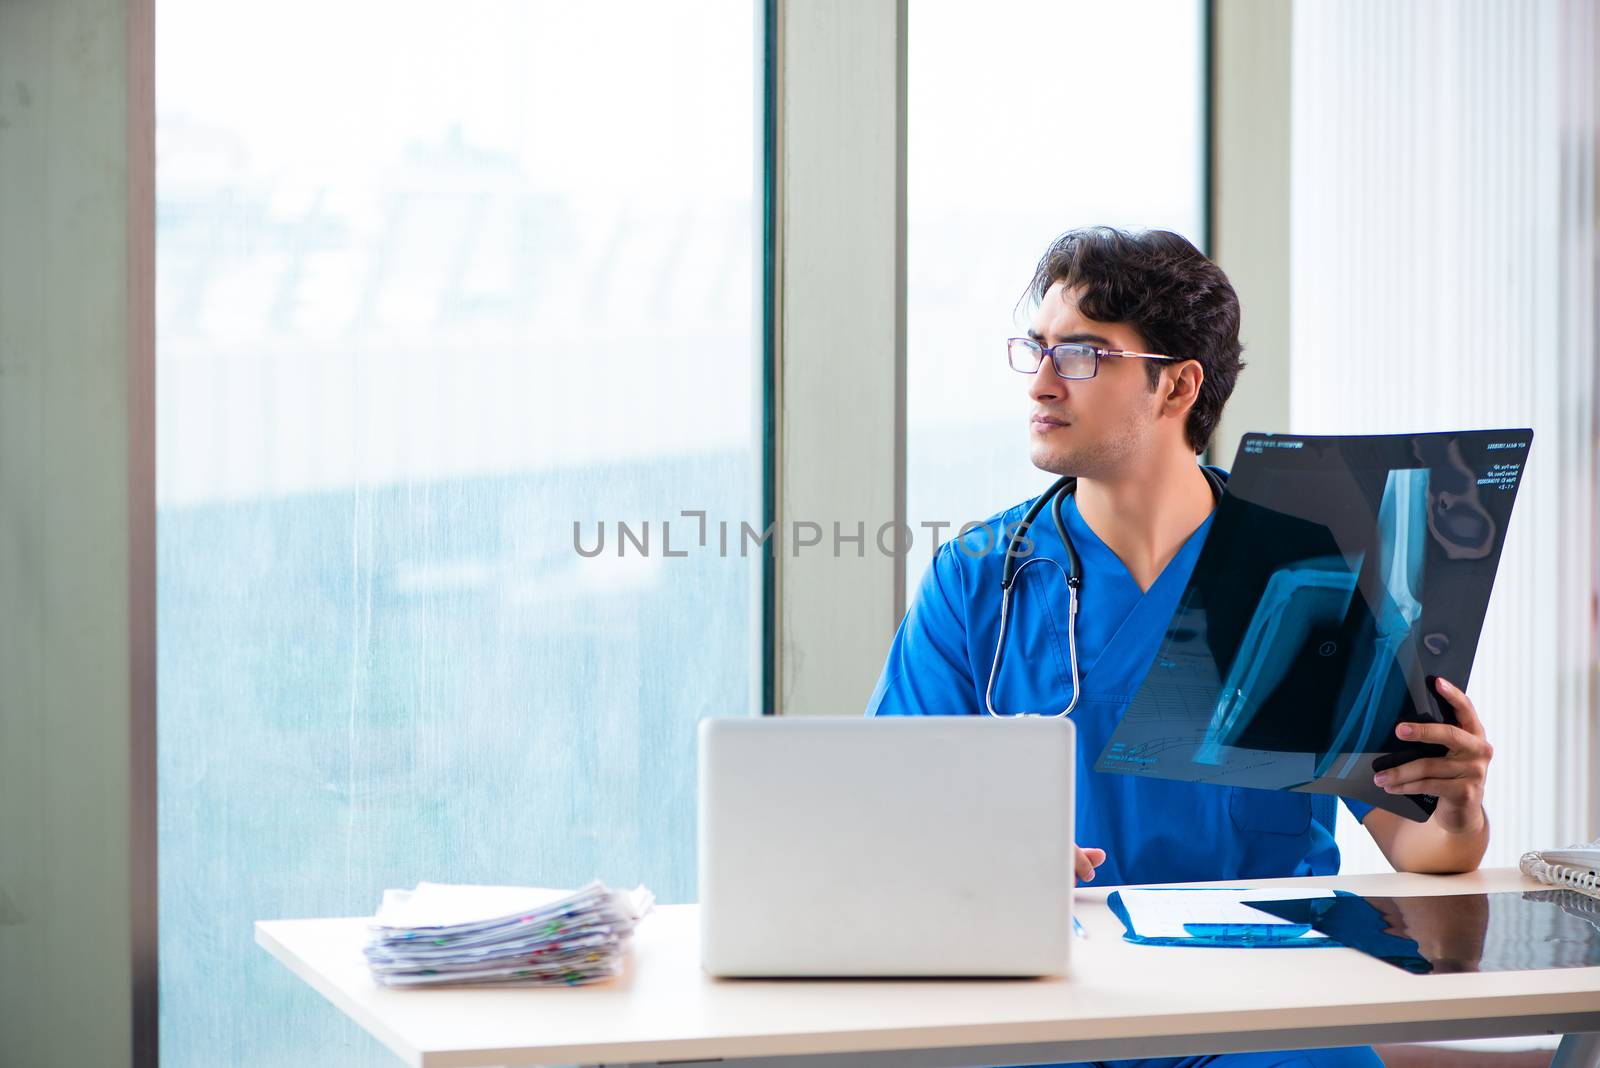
column 1071, row 361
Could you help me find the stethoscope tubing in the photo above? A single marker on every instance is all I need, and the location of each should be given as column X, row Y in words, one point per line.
column 1072, row 573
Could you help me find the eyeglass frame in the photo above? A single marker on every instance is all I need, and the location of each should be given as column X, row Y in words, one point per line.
column 1099, row 354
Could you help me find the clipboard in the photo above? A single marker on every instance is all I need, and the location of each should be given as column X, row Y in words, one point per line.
column 1217, row 917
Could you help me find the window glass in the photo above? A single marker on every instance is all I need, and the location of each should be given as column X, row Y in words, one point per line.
column 437, row 287
column 1032, row 120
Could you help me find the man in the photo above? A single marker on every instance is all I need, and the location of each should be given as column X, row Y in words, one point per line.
column 1149, row 330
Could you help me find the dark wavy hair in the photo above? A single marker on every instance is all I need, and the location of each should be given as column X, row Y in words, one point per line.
column 1164, row 287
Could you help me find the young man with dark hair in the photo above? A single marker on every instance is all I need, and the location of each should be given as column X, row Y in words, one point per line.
column 1133, row 351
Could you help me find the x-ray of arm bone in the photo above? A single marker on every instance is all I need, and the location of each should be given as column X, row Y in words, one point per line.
column 1299, row 597
column 1402, row 525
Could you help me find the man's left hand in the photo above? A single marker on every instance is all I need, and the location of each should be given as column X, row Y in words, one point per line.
column 1457, row 777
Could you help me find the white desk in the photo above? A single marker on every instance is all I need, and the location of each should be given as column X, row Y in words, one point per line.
column 1121, row 1000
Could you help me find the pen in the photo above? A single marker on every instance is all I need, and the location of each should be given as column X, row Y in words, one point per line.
column 1252, row 932
column 1078, row 928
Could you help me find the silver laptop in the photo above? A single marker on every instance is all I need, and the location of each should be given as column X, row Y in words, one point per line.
column 916, row 846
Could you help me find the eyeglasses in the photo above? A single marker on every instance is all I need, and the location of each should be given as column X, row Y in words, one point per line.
column 1070, row 359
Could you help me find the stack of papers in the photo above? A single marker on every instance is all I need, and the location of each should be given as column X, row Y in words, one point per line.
column 516, row 935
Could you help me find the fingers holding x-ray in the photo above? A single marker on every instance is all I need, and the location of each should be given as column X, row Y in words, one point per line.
column 1454, row 739
column 1456, row 778
column 1406, row 778
column 1461, row 705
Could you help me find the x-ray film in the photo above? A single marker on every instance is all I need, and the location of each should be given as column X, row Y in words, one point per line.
column 1340, row 577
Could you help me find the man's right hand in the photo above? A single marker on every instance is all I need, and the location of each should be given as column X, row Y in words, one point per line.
column 1087, row 861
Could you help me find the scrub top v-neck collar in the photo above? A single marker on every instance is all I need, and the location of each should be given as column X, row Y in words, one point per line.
column 1113, row 613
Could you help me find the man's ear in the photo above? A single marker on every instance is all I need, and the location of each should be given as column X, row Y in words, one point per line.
column 1183, row 387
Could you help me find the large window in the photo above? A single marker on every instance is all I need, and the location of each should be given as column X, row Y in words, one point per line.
column 1034, row 119
column 434, row 287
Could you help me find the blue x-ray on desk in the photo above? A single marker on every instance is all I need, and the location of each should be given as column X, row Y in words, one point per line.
column 1341, row 575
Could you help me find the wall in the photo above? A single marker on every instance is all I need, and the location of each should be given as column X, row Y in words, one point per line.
column 66, row 923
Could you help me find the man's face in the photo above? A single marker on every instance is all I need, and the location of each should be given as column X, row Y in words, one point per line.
column 1092, row 427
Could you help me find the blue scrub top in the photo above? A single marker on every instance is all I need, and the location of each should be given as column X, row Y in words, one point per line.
column 1153, row 830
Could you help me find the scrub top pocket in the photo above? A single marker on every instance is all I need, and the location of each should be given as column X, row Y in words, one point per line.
column 1269, row 811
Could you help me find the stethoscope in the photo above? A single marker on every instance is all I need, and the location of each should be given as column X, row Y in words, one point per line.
column 1064, row 487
